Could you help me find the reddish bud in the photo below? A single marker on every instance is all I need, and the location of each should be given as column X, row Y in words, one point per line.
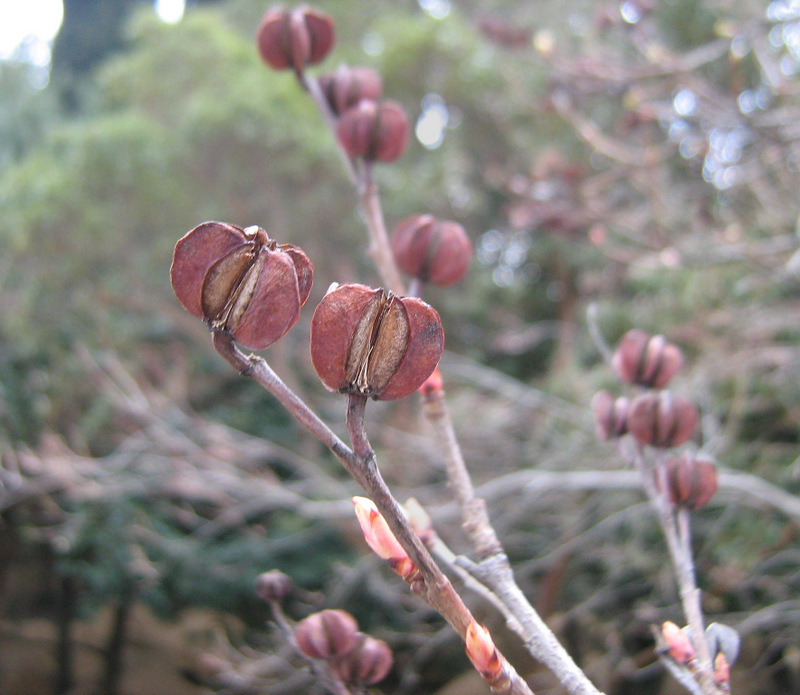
column 273, row 586
column 722, row 671
column 661, row 419
column 327, row 634
column 432, row 250
column 371, row 342
column 241, row 281
column 373, row 130
column 482, row 652
column 677, row 643
column 611, row 415
column 647, row 361
column 348, row 86
column 380, row 538
column 369, row 661
column 689, row 481
column 294, row 39
column 433, row 384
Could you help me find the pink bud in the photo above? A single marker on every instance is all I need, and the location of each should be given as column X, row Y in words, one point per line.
column 679, row 646
column 722, row 671
column 380, row 538
column 482, row 652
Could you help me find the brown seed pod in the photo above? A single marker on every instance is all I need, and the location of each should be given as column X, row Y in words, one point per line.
column 241, row 281
column 661, row 419
column 273, row 586
column 349, row 85
column 371, row 342
column 373, row 130
column 294, row 39
column 326, row 635
column 645, row 360
column 689, row 481
column 437, row 251
column 611, row 415
column 369, row 661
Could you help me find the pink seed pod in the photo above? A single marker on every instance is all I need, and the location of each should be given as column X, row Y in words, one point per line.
column 326, row 635
column 645, row 360
column 294, row 39
column 369, row 661
column 611, row 415
column 349, row 85
column 240, row 281
column 661, row 419
column 436, row 251
column 689, row 481
column 373, row 130
column 371, row 342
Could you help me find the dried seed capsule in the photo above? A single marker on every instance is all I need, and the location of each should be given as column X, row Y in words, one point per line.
column 241, row 281
column 661, row 420
column 326, row 635
column 349, row 85
column 437, row 251
column 273, row 586
column 294, row 39
column 645, row 360
column 611, row 415
column 373, row 130
column 371, row 342
column 689, row 481
column 369, row 661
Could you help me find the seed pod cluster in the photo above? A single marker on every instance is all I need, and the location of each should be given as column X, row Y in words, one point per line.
column 240, row 281
column 371, row 342
column 294, row 38
column 432, row 250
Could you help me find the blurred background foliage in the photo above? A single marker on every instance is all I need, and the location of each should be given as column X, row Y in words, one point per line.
column 639, row 156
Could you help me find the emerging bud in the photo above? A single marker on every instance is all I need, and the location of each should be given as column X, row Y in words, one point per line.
column 273, row 586
column 661, row 420
column 482, row 652
column 371, row 342
column 611, row 415
column 647, row 361
column 294, row 39
column 348, row 86
column 678, row 644
column 380, row 538
column 326, row 635
column 689, row 481
column 432, row 250
column 369, row 661
column 433, row 384
column 241, row 281
column 374, row 130
column 722, row 671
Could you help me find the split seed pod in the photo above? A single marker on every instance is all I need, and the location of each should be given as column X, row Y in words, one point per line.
column 371, row 342
column 689, row 481
column 661, row 419
column 241, row 281
column 373, row 130
column 327, row 634
column 645, row 360
column 436, row 251
column 294, row 39
column 369, row 661
column 349, row 85
column 611, row 415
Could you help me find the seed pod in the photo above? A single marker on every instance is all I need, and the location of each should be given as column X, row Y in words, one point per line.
column 241, row 281
column 373, row 130
column 369, row 661
column 437, row 251
column 273, row 586
column 689, row 481
column 647, row 361
column 349, row 85
column 326, row 635
column 371, row 342
column 611, row 415
column 661, row 419
column 294, row 39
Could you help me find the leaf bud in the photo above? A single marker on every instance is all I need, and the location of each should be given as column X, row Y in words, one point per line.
column 688, row 481
column 369, row 661
column 677, row 642
column 371, row 342
column 380, row 538
column 437, row 251
column 373, row 130
column 241, row 281
column 661, row 419
column 611, row 415
column 645, row 360
column 273, row 586
column 326, row 635
column 294, row 38
column 349, row 85
column 482, row 652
